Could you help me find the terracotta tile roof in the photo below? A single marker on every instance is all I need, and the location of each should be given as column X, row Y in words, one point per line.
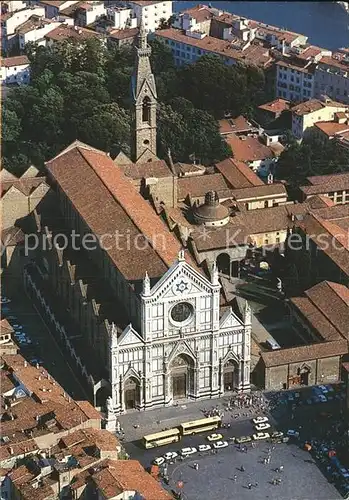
column 255, row 192
column 332, row 299
column 9, row 62
column 123, row 34
column 254, row 54
column 200, row 13
column 267, row 219
column 276, row 106
column 322, row 184
column 298, row 65
column 26, row 185
column 239, row 124
column 128, row 475
column 65, row 32
column 312, row 105
column 198, row 186
column 320, row 201
column 221, row 237
column 332, row 128
column 146, row 170
column 109, row 204
column 248, row 149
column 5, row 326
column 182, row 169
column 304, row 353
column 53, row 3
column 336, row 60
column 313, row 316
column 6, row 383
column 316, row 228
column 46, row 398
column 34, row 22
column 238, row 174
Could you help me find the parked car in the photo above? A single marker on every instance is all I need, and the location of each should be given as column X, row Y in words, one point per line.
column 277, row 435
column 186, row 452
column 262, row 427
column 204, row 447
column 5, row 300
column 260, row 420
column 159, row 461
column 292, row 433
column 170, row 455
column 214, row 437
column 261, row 435
column 220, row 444
column 243, row 439
column 323, row 398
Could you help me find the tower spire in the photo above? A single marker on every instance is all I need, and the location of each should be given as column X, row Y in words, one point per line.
column 144, row 97
column 142, row 37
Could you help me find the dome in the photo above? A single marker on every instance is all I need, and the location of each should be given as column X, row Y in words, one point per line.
column 211, row 212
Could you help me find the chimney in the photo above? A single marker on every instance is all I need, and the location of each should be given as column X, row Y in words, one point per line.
column 10, row 450
column 25, row 363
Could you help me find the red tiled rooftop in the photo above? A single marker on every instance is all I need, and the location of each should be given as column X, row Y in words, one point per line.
column 9, row 62
column 332, row 128
column 238, row 174
column 276, row 106
column 248, row 149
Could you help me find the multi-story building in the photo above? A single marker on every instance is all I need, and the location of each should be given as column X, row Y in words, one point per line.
column 332, row 77
column 35, row 29
column 306, row 114
column 122, row 17
column 151, row 12
column 294, row 82
column 53, row 8
column 189, row 46
column 10, row 21
column 333, row 186
column 88, row 13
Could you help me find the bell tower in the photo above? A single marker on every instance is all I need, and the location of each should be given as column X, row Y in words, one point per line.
column 144, row 96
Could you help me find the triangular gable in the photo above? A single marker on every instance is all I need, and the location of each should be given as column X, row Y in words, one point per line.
column 173, row 277
column 77, row 144
column 5, row 175
column 146, row 156
column 131, row 373
column 148, row 83
column 30, row 172
column 181, row 348
column 122, row 159
column 129, row 337
column 229, row 320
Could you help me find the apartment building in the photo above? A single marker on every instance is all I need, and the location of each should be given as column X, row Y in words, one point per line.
column 189, row 46
column 54, row 8
column 331, row 77
column 121, row 17
column 306, row 114
column 151, row 12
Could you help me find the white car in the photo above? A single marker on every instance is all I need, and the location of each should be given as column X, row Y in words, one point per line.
column 260, row 420
column 292, row 433
column 159, row 461
column 170, row 455
column 204, row 447
column 243, row 439
column 186, row 452
column 261, row 435
column 262, row 427
column 323, row 388
column 214, row 437
column 220, row 444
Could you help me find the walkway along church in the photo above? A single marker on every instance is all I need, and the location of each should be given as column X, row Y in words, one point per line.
column 154, row 328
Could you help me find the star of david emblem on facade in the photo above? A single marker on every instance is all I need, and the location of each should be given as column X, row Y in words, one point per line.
column 182, row 286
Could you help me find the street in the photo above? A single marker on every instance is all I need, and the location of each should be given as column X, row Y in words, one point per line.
column 44, row 347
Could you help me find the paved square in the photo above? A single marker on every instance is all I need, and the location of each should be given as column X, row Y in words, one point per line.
column 300, row 480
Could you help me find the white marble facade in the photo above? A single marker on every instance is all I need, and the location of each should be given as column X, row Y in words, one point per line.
column 187, row 349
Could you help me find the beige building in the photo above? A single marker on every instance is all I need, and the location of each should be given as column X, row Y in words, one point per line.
column 306, row 114
column 333, row 186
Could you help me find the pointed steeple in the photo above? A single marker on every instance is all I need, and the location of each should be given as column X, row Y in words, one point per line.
column 144, row 97
column 146, row 285
column 214, row 274
column 247, row 313
column 142, row 37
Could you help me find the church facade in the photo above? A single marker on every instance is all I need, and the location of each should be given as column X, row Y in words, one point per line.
column 188, row 348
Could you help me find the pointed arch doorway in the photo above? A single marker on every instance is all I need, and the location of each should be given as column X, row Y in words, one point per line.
column 131, row 393
column 182, row 376
column 230, row 375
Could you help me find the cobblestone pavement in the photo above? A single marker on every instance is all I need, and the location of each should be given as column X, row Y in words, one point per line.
column 300, row 480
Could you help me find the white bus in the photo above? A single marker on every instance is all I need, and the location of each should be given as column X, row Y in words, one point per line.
column 202, row 425
column 161, row 438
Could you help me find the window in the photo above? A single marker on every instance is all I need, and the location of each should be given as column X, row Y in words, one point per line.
column 266, row 242
column 158, row 386
column 146, row 109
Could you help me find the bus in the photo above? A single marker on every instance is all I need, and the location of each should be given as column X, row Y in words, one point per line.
column 202, row 425
column 161, row 438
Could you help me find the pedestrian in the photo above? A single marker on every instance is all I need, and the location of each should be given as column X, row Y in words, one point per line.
column 256, row 485
column 235, row 478
column 242, row 468
column 249, row 486
column 281, row 468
